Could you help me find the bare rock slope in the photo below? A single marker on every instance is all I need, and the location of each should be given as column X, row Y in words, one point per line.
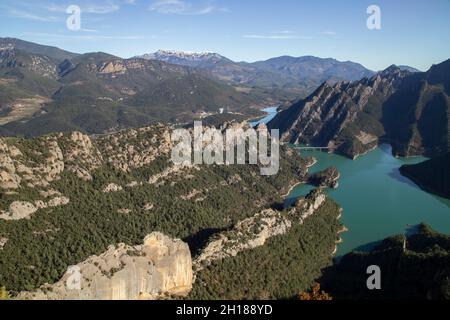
column 408, row 110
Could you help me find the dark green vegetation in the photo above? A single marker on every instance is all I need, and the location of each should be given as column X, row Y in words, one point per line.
column 286, row 265
column 422, row 271
column 98, row 92
column 326, row 178
column 432, row 175
column 40, row 249
column 296, row 77
column 410, row 111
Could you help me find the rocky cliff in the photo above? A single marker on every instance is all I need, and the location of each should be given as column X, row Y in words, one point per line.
column 271, row 255
column 158, row 268
column 408, row 110
column 255, row 231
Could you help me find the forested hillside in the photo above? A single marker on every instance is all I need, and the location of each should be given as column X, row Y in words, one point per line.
column 68, row 196
column 432, row 175
column 45, row 89
column 415, row 267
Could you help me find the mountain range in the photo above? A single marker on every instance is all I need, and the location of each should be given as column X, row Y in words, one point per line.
column 45, row 89
column 410, row 111
column 297, row 75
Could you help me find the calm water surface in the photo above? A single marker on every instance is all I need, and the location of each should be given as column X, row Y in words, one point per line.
column 271, row 113
column 377, row 200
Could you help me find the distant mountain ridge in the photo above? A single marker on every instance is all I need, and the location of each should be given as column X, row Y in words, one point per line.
column 320, row 69
column 408, row 110
column 297, row 75
column 191, row 59
column 33, row 48
column 45, row 89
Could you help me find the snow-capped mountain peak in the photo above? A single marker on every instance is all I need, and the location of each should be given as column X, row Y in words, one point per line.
column 187, row 54
column 185, row 57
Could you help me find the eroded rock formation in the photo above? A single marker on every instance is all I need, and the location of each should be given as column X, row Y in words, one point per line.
column 158, row 268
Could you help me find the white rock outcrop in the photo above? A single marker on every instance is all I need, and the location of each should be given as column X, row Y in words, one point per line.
column 16, row 170
column 158, row 268
column 19, row 210
column 247, row 234
column 9, row 179
column 112, row 187
column 23, row 209
column 3, row 241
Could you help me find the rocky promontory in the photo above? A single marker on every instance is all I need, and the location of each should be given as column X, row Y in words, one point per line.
column 255, row 231
column 160, row 267
column 327, row 178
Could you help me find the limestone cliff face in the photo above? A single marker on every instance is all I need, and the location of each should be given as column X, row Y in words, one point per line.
column 160, row 267
column 332, row 113
column 81, row 157
column 408, row 110
column 113, row 67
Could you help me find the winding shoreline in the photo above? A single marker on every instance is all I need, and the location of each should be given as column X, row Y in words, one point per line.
column 340, row 240
column 291, row 188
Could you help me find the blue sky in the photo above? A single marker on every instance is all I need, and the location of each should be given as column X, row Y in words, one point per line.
column 413, row 32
